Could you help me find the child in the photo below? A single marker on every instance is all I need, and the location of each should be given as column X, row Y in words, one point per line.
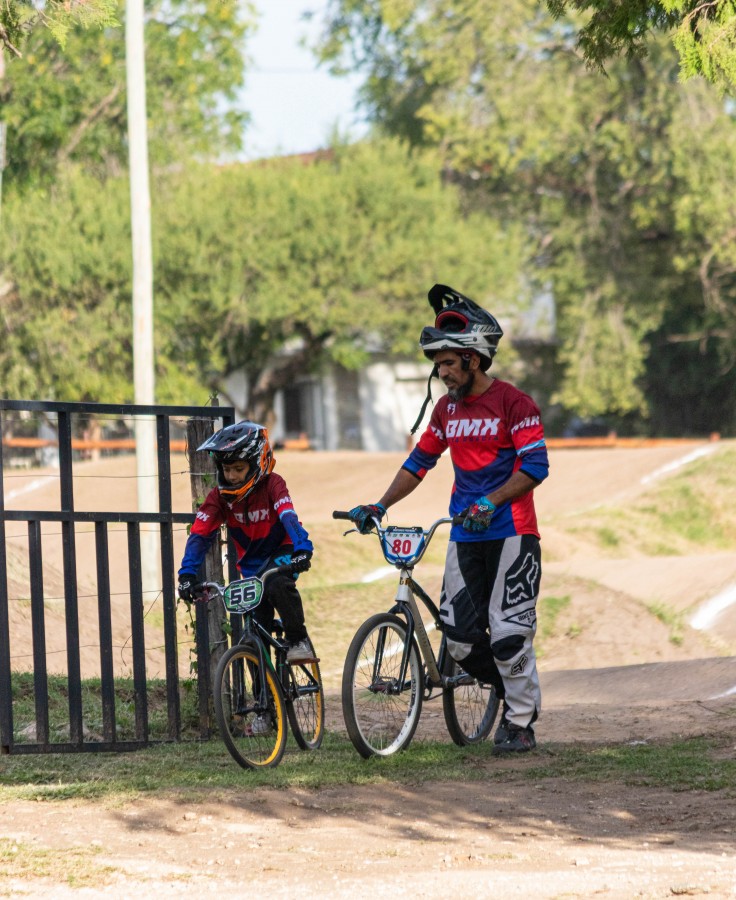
column 256, row 507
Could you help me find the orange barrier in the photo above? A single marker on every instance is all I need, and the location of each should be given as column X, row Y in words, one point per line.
column 302, row 442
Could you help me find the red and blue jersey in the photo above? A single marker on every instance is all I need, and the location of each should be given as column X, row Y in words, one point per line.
column 262, row 525
column 490, row 436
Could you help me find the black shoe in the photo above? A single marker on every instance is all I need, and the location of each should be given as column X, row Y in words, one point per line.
column 502, row 732
column 519, row 740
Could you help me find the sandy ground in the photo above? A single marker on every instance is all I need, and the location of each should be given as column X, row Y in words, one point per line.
column 609, row 684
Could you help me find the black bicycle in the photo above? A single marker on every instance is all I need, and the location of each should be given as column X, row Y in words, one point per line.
column 255, row 692
column 391, row 668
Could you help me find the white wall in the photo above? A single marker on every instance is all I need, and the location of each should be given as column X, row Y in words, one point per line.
column 391, row 395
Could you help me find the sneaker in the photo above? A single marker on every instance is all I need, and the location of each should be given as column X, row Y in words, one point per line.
column 502, row 732
column 519, row 740
column 300, row 652
column 262, row 724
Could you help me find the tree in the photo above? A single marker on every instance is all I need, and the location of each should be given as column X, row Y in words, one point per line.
column 19, row 17
column 586, row 164
column 268, row 269
column 703, row 31
column 294, row 265
column 69, row 105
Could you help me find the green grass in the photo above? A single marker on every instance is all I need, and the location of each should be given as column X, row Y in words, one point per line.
column 76, row 867
column 204, row 772
column 24, row 709
column 549, row 610
column 689, row 511
column 675, row 621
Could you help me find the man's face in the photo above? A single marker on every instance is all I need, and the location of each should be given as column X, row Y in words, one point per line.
column 450, row 370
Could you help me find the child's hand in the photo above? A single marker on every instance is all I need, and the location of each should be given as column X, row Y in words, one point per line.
column 301, row 561
column 188, row 586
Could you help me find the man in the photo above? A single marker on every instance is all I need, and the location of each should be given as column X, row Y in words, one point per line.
column 493, row 567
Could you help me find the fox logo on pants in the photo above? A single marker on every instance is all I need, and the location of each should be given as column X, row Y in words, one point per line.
column 523, row 583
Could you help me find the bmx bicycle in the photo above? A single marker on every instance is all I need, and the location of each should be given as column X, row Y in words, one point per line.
column 254, row 694
column 391, row 667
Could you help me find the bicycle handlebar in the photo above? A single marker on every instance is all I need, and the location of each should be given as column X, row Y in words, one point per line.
column 381, row 532
column 219, row 589
column 456, row 520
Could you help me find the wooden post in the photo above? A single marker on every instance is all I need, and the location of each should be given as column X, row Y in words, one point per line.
column 211, row 636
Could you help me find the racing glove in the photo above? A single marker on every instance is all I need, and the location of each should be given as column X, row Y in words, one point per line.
column 301, row 560
column 363, row 516
column 188, row 587
column 478, row 515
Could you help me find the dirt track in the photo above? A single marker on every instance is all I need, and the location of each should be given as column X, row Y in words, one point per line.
column 545, row 838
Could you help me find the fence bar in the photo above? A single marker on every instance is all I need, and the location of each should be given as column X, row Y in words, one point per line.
column 104, row 617
column 6, row 689
column 68, row 518
column 38, row 620
column 71, row 601
column 138, row 641
column 171, row 648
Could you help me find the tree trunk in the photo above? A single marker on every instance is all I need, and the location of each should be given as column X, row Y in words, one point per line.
column 211, row 637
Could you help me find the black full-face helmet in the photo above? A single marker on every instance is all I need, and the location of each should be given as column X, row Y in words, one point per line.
column 245, row 441
column 460, row 325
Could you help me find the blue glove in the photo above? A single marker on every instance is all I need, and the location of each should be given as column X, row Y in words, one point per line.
column 363, row 516
column 478, row 515
column 301, row 560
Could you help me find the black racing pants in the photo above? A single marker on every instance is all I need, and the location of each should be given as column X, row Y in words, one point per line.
column 488, row 607
column 282, row 594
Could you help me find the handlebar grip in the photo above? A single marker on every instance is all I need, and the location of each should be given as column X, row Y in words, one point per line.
column 341, row 514
column 458, row 519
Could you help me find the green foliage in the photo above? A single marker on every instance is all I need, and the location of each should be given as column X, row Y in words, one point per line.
column 71, row 300
column 601, row 172
column 327, row 259
column 704, row 34
column 69, row 104
column 19, row 17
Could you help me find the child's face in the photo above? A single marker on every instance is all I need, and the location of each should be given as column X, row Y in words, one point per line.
column 235, row 472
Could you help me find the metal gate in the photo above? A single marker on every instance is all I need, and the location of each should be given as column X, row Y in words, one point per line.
column 112, row 693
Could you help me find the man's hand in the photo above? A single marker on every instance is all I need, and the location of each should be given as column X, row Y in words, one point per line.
column 188, row 587
column 363, row 516
column 478, row 515
column 301, row 560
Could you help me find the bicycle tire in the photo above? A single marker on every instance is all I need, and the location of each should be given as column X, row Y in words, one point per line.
column 305, row 704
column 237, row 705
column 380, row 717
column 470, row 708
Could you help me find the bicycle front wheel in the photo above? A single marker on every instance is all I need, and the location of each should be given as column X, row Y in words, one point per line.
column 380, row 704
column 250, row 709
column 305, row 704
column 470, row 706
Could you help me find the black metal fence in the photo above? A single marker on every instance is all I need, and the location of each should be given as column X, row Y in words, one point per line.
column 48, row 690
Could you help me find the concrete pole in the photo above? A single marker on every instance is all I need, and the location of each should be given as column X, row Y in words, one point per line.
column 2, row 132
column 143, row 366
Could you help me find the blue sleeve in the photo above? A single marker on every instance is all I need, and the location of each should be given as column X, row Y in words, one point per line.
column 297, row 534
column 535, row 463
column 195, row 551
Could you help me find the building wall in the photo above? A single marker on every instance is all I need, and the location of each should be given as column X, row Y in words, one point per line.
column 372, row 409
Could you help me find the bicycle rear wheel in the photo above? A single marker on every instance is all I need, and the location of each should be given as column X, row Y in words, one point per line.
column 252, row 722
column 470, row 706
column 305, row 704
column 381, row 709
